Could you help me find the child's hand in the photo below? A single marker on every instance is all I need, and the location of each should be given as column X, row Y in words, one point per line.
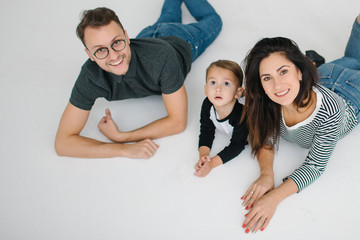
column 202, row 161
column 203, row 166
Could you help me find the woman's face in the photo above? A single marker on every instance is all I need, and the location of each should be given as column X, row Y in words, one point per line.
column 280, row 78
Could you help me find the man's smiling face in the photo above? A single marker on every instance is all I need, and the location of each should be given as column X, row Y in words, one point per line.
column 100, row 38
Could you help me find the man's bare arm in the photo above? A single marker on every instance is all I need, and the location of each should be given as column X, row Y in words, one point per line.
column 68, row 141
column 175, row 122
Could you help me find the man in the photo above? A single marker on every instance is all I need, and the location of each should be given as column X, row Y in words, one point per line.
column 156, row 62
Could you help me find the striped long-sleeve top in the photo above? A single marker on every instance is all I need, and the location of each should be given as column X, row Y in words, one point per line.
column 331, row 120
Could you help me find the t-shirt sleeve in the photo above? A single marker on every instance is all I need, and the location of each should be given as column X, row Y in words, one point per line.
column 171, row 77
column 207, row 128
column 85, row 92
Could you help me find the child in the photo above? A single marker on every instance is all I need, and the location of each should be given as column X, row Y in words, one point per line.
column 221, row 110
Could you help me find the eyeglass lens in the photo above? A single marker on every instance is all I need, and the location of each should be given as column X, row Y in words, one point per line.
column 117, row 46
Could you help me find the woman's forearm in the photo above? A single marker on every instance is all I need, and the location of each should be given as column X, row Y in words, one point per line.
column 285, row 190
column 266, row 160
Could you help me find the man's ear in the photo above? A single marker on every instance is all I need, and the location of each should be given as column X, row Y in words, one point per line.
column 239, row 92
column 127, row 37
column 89, row 54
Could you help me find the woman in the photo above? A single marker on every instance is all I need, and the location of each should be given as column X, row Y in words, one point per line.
column 285, row 97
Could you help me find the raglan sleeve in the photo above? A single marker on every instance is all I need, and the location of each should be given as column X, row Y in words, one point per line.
column 237, row 141
column 207, row 128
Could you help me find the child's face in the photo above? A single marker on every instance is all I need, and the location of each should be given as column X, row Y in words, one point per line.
column 222, row 87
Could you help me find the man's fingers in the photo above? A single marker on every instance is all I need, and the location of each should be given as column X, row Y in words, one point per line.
column 108, row 113
column 103, row 120
column 150, row 147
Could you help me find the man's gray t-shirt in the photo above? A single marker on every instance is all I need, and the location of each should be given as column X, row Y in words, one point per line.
column 158, row 65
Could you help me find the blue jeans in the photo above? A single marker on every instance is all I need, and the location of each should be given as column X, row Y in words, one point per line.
column 199, row 35
column 342, row 76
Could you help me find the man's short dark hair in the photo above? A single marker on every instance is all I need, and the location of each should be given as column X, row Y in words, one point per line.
column 95, row 18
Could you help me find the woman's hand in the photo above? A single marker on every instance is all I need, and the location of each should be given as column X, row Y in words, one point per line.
column 258, row 189
column 264, row 208
column 261, row 214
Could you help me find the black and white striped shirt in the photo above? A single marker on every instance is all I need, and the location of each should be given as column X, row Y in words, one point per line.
column 331, row 120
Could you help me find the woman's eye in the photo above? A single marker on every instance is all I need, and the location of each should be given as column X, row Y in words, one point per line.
column 266, row 78
column 283, row 72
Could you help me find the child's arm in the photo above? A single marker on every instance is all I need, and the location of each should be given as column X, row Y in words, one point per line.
column 237, row 144
column 205, row 163
column 207, row 128
column 206, row 137
column 238, row 138
column 203, row 157
column 204, row 154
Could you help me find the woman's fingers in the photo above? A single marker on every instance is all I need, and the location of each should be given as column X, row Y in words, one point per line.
column 255, row 221
column 260, row 215
column 251, row 195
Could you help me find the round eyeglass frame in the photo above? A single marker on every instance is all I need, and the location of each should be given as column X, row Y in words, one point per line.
column 112, row 47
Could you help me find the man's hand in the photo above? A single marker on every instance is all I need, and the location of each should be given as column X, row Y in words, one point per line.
column 143, row 149
column 109, row 128
column 174, row 123
column 68, row 141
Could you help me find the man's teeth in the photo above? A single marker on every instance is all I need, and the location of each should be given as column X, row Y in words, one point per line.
column 117, row 63
column 283, row 92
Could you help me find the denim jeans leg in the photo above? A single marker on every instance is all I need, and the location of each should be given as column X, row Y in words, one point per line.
column 170, row 12
column 200, row 9
column 342, row 76
column 199, row 35
column 207, row 28
column 353, row 46
column 344, row 82
column 347, row 62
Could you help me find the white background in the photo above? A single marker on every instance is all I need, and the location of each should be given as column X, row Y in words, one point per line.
column 44, row 196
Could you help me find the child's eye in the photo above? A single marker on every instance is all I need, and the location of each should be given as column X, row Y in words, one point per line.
column 212, row 83
column 226, row 84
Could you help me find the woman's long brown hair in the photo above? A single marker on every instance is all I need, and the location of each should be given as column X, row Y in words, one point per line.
column 263, row 115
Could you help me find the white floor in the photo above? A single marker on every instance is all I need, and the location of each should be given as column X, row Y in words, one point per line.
column 44, row 196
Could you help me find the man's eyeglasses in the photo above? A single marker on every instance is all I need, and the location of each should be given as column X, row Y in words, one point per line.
column 117, row 46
